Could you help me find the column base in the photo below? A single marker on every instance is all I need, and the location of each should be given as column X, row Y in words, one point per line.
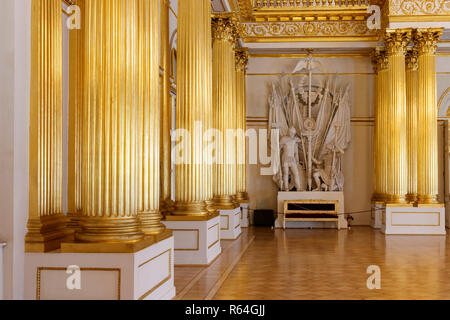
column 376, row 214
column 146, row 274
column 230, row 223
column 197, row 239
column 46, row 233
column 244, row 215
column 422, row 220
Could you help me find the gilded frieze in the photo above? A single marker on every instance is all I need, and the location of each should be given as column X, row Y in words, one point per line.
column 308, row 29
column 418, row 7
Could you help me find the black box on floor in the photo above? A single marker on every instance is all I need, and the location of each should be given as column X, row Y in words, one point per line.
column 263, row 218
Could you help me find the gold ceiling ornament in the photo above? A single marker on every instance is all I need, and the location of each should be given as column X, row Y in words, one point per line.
column 427, row 39
column 396, row 40
column 47, row 224
column 245, row 8
column 225, row 26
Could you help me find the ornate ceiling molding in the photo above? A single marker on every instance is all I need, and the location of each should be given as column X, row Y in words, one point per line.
column 308, row 30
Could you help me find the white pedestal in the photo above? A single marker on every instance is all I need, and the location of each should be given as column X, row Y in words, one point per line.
column 2, row 245
column 196, row 242
column 244, row 215
column 447, row 214
column 144, row 275
column 375, row 218
column 413, row 220
column 337, row 196
column 230, row 223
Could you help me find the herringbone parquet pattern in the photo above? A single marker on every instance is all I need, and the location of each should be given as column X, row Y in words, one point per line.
column 321, row 264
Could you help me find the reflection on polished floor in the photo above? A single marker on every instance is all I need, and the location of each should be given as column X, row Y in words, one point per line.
column 321, row 264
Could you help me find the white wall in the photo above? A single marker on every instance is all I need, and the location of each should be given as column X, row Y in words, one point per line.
column 15, row 20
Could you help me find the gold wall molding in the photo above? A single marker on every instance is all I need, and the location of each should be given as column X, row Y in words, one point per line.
column 315, row 74
column 197, row 248
column 308, row 30
column 304, row 55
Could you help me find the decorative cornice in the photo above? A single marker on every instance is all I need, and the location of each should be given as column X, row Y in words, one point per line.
column 411, row 59
column 225, row 26
column 241, row 55
column 418, row 7
column 396, row 40
column 293, row 30
column 426, row 40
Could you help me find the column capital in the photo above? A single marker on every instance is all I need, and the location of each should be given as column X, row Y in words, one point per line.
column 396, row 40
column 241, row 55
column 412, row 59
column 379, row 60
column 426, row 40
column 225, row 26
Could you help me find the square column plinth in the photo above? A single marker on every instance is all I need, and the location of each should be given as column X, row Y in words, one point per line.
column 146, row 274
column 413, row 220
column 375, row 215
column 197, row 239
column 244, row 215
column 230, row 223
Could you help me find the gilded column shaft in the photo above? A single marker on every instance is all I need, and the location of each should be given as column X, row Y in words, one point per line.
column 411, row 118
column 148, row 129
column 76, row 77
column 241, row 114
column 427, row 162
column 224, row 104
column 109, row 115
column 46, row 223
column 396, row 42
column 193, row 173
column 166, row 109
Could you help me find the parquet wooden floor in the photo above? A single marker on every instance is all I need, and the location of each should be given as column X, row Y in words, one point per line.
column 323, row 264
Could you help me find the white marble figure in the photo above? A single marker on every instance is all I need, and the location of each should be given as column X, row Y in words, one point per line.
column 312, row 115
column 290, row 160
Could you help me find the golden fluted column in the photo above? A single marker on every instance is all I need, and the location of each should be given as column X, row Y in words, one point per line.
column 241, row 116
column 380, row 65
column 193, row 172
column 412, row 89
column 427, row 162
column 166, row 110
column 76, row 78
column 46, row 220
column 148, row 129
column 224, row 31
column 396, row 41
column 110, row 109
